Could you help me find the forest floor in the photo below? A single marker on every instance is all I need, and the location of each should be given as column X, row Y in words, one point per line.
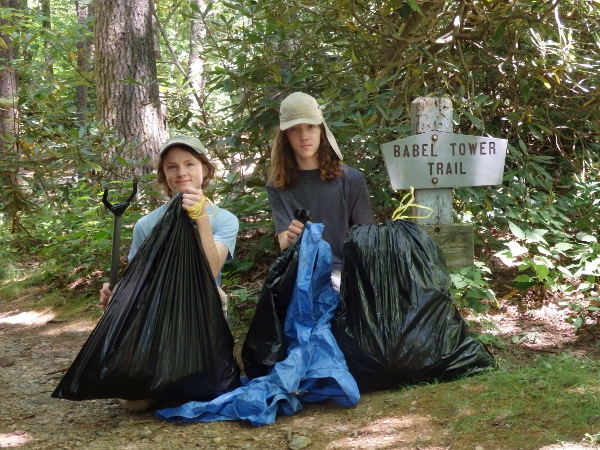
column 37, row 345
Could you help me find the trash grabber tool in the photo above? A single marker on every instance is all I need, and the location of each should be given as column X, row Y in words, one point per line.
column 117, row 209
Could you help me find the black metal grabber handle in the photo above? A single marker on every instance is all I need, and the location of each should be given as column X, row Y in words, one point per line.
column 117, row 209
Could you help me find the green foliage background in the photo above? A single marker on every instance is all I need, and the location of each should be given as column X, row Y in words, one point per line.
column 526, row 71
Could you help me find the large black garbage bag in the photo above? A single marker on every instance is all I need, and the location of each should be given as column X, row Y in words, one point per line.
column 163, row 335
column 396, row 322
column 266, row 343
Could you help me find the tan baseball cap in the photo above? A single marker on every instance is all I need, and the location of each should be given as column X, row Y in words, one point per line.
column 299, row 108
column 188, row 141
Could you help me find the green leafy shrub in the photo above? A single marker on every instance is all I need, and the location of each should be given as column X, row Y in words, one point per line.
column 471, row 288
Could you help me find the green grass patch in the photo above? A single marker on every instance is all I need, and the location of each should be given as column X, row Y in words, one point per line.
column 14, row 287
column 67, row 306
column 29, row 287
column 553, row 399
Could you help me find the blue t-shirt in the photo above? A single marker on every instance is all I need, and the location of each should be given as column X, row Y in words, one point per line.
column 224, row 227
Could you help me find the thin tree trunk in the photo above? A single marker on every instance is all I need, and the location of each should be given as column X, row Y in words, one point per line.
column 197, row 61
column 46, row 24
column 125, row 68
column 9, row 124
column 84, row 52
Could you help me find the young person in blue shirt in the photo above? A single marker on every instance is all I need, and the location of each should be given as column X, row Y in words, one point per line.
column 183, row 166
column 307, row 173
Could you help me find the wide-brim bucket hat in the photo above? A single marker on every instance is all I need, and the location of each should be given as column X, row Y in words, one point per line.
column 299, row 108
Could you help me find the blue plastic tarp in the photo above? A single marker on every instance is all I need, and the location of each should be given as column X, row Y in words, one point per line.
column 315, row 368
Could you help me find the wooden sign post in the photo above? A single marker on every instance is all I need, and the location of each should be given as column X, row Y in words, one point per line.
column 434, row 161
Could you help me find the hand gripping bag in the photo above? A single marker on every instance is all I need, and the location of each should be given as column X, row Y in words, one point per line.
column 163, row 335
column 396, row 322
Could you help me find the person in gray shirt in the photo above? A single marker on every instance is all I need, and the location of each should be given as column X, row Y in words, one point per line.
column 307, row 173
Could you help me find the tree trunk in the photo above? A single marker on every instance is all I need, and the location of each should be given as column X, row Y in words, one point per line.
column 9, row 123
column 125, row 68
column 84, row 52
column 197, row 60
column 46, row 24
column 9, row 113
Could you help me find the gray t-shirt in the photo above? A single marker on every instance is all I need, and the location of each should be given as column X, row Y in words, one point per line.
column 338, row 204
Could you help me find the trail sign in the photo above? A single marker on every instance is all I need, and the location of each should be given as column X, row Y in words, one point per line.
column 435, row 159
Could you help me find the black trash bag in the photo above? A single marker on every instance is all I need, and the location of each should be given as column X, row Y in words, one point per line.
column 163, row 335
column 396, row 323
column 265, row 342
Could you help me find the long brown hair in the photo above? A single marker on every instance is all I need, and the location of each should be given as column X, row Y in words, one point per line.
column 208, row 170
column 284, row 167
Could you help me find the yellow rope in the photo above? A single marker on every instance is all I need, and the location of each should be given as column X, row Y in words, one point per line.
column 195, row 212
column 407, row 202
